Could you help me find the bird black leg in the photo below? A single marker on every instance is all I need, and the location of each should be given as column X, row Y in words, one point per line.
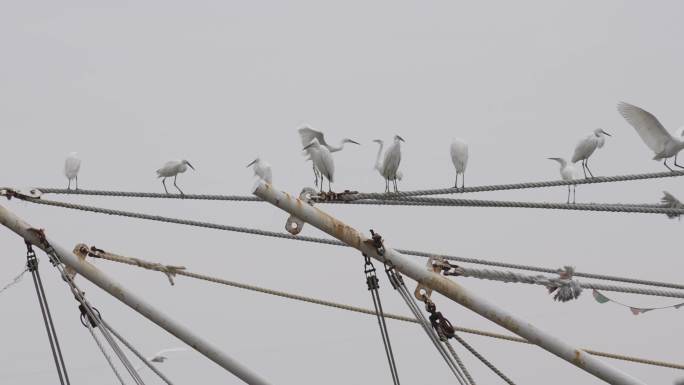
column 574, row 193
column 668, row 167
column 675, row 162
column 329, row 188
column 164, row 184
column 174, row 183
column 396, row 189
column 456, row 183
column 463, row 180
column 568, row 201
column 584, row 170
column 77, row 180
column 586, row 163
column 387, row 185
column 69, row 185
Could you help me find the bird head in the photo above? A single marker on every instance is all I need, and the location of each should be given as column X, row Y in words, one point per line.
column 600, row 131
column 347, row 140
column 254, row 161
column 314, row 143
column 189, row 165
column 398, row 138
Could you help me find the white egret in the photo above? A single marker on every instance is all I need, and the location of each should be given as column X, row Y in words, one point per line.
column 586, row 147
column 378, row 162
column 72, row 165
column 656, row 137
column 390, row 164
column 262, row 169
column 161, row 356
column 459, row 156
column 172, row 169
column 323, row 161
column 567, row 172
column 307, row 134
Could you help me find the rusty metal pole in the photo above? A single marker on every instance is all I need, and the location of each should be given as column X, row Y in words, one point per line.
column 447, row 287
column 91, row 273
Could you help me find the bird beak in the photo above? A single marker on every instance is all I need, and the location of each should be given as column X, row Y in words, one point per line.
column 400, row 138
column 251, row 163
column 556, row 159
column 307, row 146
column 605, row 133
column 191, row 166
column 355, row 142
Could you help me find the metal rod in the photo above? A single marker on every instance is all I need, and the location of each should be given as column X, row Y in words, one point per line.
column 91, row 273
column 443, row 285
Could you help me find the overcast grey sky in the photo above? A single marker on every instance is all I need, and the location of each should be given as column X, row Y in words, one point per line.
column 130, row 85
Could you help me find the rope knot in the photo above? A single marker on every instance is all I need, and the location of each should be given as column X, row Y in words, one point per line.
column 565, row 287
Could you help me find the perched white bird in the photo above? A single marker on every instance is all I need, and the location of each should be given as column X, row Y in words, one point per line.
column 586, row 147
column 71, row 166
column 389, row 169
column 567, row 172
column 160, row 356
column 172, row 169
column 378, row 162
column 307, row 134
column 262, row 169
column 459, row 156
column 322, row 161
column 656, row 137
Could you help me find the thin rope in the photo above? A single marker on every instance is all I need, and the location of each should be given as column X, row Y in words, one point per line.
column 334, row 242
column 104, row 352
column 355, row 309
column 136, row 352
column 15, row 280
column 459, row 361
column 358, row 196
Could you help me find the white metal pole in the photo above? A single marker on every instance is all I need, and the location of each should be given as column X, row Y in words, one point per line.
column 447, row 287
column 91, row 273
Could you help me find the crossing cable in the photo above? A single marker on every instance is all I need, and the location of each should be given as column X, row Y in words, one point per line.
column 391, row 200
column 98, row 253
column 373, row 285
column 32, row 266
column 328, row 241
column 136, row 352
column 453, row 361
column 358, row 196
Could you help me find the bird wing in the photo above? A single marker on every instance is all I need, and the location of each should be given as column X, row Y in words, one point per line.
column 584, row 148
column 459, row 155
column 169, row 350
column 307, row 134
column 392, row 160
column 647, row 126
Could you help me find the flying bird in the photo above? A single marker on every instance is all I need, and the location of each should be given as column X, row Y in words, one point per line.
column 586, row 147
column 459, row 156
column 389, row 168
column 323, row 161
column 161, row 356
column 307, row 134
column 72, row 165
column 656, row 137
column 567, row 172
column 262, row 169
column 669, row 200
column 172, row 169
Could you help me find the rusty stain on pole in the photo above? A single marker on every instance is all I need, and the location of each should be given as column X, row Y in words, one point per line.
column 443, row 285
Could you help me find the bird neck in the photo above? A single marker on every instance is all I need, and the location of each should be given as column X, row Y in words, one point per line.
column 377, row 158
column 338, row 148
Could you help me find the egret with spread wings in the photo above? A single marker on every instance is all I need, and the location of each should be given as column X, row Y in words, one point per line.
column 308, row 134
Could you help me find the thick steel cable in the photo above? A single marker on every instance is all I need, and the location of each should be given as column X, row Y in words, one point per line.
column 510, row 276
column 599, row 207
column 326, row 241
column 356, row 309
column 401, row 200
column 480, row 357
column 135, row 351
column 358, row 196
column 515, row 186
